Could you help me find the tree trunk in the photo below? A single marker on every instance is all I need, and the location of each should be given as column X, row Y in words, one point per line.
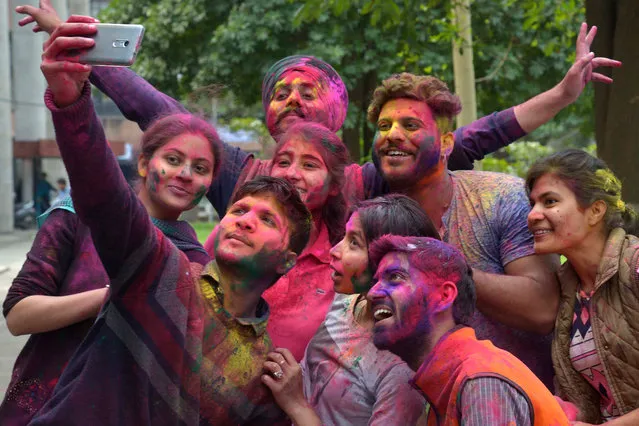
column 350, row 136
column 617, row 105
column 359, row 98
column 463, row 63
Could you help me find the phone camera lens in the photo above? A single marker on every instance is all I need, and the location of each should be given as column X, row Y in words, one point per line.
column 126, row 43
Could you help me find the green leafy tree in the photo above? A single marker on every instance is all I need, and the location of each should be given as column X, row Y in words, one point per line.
column 231, row 44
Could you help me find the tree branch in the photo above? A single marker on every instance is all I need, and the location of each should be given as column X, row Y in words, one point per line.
column 501, row 63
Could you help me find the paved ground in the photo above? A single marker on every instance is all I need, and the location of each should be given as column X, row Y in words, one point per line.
column 13, row 250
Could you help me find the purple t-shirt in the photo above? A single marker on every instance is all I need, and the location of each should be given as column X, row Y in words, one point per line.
column 487, row 221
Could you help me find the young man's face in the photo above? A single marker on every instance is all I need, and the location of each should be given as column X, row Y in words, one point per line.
column 408, row 143
column 402, row 301
column 297, row 96
column 254, row 234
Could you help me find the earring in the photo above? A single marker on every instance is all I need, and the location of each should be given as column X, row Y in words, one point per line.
column 142, row 173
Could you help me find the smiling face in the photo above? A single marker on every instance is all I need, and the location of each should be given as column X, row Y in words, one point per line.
column 403, row 302
column 556, row 220
column 297, row 97
column 349, row 260
column 408, row 142
column 300, row 163
column 253, row 234
column 177, row 175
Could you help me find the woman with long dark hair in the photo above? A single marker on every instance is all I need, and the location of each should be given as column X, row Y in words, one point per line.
column 345, row 378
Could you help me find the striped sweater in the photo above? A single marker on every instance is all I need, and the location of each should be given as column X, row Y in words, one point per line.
column 163, row 351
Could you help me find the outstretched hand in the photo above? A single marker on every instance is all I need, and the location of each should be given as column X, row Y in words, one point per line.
column 45, row 17
column 582, row 71
column 60, row 66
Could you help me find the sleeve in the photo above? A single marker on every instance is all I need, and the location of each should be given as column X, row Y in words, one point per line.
column 135, row 97
column 396, row 399
column 122, row 232
column 482, row 137
column 515, row 240
column 233, row 163
column 48, row 260
column 374, row 184
column 139, row 101
column 492, row 401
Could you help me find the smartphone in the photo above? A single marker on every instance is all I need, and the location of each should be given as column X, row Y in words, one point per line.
column 115, row 45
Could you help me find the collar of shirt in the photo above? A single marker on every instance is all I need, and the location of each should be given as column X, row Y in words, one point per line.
column 420, row 376
column 320, row 248
column 213, row 293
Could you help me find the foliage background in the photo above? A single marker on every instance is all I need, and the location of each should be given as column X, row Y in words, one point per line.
column 521, row 48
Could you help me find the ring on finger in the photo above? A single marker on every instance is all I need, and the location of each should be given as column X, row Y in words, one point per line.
column 278, row 374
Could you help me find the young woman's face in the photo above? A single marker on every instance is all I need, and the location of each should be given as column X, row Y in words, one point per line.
column 300, row 163
column 556, row 220
column 349, row 260
column 179, row 173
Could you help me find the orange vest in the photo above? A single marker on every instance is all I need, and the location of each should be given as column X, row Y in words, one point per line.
column 458, row 357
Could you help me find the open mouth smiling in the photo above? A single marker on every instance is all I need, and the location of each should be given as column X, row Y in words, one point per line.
column 381, row 313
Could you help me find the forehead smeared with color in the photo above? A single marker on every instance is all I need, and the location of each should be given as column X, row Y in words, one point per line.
column 329, row 83
column 433, row 257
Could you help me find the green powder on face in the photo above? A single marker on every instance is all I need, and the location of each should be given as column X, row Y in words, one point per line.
column 198, row 195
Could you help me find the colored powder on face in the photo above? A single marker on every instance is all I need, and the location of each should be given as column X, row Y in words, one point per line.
column 155, row 180
column 186, row 171
column 327, row 79
column 362, row 282
column 198, row 195
column 163, row 172
column 429, row 155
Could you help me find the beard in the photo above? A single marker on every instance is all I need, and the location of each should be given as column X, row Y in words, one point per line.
column 255, row 266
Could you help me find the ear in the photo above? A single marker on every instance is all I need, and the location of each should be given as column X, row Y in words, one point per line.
column 447, row 294
column 596, row 212
column 143, row 166
column 287, row 263
column 447, row 144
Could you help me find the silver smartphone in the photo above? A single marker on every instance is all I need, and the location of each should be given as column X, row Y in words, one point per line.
column 115, row 45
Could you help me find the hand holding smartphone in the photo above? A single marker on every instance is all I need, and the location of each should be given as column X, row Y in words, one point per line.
column 115, row 45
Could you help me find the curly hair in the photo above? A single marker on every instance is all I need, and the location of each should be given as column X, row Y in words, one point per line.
column 434, row 92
